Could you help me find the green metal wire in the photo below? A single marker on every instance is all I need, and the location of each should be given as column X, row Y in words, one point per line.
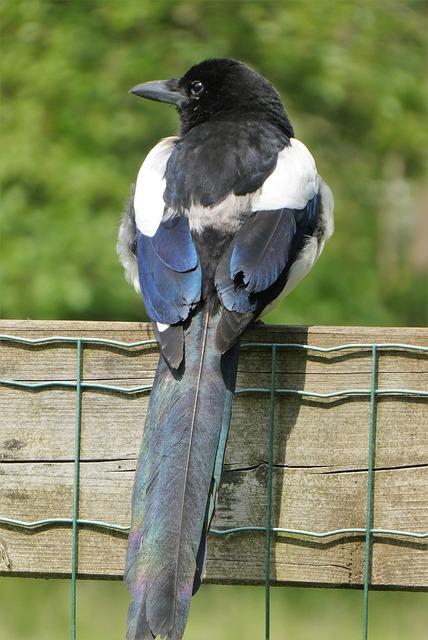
column 76, row 484
column 370, row 494
column 253, row 345
column 268, row 525
column 99, row 524
column 368, row 532
column 31, row 525
column 72, row 340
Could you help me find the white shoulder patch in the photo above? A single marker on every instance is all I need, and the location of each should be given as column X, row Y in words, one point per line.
column 293, row 182
column 149, row 204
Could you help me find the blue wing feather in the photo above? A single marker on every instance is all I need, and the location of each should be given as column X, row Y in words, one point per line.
column 262, row 248
column 255, row 269
column 233, row 296
column 174, row 246
column 169, row 272
column 306, row 218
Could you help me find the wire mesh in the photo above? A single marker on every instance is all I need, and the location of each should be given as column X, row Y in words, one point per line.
column 373, row 392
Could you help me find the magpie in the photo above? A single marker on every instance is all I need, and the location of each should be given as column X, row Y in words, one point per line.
column 225, row 218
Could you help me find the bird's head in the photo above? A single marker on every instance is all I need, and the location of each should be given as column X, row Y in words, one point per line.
column 218, row 88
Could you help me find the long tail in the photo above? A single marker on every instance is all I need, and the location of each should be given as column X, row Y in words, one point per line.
column 186, row 430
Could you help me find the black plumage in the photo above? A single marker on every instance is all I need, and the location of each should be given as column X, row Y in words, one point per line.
column 219, row 157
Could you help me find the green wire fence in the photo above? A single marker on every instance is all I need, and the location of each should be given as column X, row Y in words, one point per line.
column 373, row 392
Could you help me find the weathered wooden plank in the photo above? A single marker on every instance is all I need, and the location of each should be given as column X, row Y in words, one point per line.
column 110, row 363
column 329, row 497
column 320, row 455
column 40, row 427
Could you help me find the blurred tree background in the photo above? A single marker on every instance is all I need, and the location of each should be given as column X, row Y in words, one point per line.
column 352, row 74
column 353, row 78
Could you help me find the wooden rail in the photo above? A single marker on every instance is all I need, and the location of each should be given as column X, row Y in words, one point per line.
column 320, row 456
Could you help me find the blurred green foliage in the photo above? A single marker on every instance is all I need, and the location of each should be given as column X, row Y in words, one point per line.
column 352, row 75
column 217, row 613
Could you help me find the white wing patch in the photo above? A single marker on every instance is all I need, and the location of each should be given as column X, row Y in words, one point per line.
column 149, row 204
column 162, row 327
column 293, row 182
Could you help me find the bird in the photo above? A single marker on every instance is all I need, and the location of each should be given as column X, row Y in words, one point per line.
column 225, row 218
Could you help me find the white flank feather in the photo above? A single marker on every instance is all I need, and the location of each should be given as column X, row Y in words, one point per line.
column 125, row 249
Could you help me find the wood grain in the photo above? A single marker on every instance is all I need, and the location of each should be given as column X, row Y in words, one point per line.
column 320, row 455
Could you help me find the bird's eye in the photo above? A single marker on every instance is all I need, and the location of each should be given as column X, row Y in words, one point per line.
column 196, row 88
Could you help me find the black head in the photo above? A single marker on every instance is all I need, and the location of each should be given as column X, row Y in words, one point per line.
column 219, row 88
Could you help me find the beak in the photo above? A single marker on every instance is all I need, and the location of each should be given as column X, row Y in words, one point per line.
column 160, row 90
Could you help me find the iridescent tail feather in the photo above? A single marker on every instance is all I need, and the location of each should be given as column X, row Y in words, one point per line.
column 176, row 480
